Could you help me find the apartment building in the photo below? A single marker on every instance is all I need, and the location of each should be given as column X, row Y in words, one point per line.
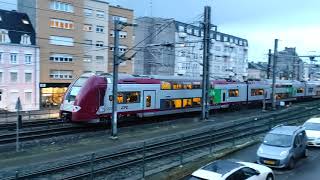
column 19, row 62
column 73, row 39
column 126, row 37
column 177, row 50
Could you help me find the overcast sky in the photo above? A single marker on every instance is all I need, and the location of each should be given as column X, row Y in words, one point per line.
column 294, row 22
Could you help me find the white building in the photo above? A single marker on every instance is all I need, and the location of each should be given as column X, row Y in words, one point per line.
column 19, row 62
column 177, row 50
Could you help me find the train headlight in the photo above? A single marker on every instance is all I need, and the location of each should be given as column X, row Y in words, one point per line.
column 76, row 108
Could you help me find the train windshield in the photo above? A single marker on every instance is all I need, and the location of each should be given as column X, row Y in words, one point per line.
column 75, row 89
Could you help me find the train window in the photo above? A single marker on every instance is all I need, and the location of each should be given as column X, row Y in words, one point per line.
column 233, row 92
column 196, row 86
column 196, row 101
column 187, row 86
column 177, row 103
column 132, row 97
column 177, row 86
column 187, row 103
column 148, row 101
column 165, row 104
column 165, row 85
column 300, row 90
column 224, row 96
column 310, row 90
column 257, row 92
column 121, row 98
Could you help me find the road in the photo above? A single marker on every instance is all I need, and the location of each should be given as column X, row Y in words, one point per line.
column 306, row 169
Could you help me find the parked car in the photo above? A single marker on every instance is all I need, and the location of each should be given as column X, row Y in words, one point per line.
column 283, row 146
column 229, row 170
column 312, row 127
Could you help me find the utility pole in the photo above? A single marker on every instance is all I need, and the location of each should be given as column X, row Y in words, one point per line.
column 269, row 64
column 114, row 120
column 206, row 57
column 275, row 55
column 117, row 59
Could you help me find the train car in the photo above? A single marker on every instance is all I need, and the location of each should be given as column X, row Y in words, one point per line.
column 89, row 98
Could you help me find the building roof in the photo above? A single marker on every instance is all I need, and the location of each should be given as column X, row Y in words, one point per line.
column 17, row 24
column 259, row 66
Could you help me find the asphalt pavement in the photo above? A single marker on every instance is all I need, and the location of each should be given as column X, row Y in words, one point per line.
column 306, row 169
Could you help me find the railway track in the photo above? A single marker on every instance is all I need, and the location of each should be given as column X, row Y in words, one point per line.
column 32, row 124
column 221, row 133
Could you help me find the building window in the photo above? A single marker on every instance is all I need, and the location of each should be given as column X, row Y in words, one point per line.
column 123, row 34
column 99, row 59
column 233, row 92
column 100, row 14
column 27, row 77
column 13, row 77
column 99, row 43
column 87, row 58
column 61, row 6
column 61, row 24
column 25, row 39
column 24, row 21
column 13, row 58
column 1, row 77
column 61, row 41
column 61, row 74
column 3, row 36
column 119, row 18
column 87, row 27
column 123, row 49
column 61, row 58
column 27, row 59
column 100, row 29
column 87, row 12
column 225, row 38
column 181, row 28
column 27, row 97
column 218, row 37
column 87, row 42
column 1, row 57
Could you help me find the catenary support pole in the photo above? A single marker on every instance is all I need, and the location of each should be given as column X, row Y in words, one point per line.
column 269, row 64
column 206, row 56
column 274, row 74
column 115, row 80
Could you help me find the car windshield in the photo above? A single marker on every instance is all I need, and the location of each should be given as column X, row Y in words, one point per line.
column 312, row 126
column 280, row 140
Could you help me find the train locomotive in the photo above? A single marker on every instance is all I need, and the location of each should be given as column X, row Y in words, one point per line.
column 89, row 98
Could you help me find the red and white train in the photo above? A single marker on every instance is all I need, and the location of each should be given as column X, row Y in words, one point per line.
column 89, row 98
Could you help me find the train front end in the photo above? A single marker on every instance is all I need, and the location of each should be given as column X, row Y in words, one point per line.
column 83, row 98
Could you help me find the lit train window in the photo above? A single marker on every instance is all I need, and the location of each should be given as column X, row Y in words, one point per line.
column 120, row 98
column 196, row 86
column 187, row 103
column 187, row 86
column 196, row 101
column 177, row 103
column 233, row 92
column 177, row 86
column 300, row 90
column 165, row 85
column 148, row 101
column 257, row 92
column 127, row 97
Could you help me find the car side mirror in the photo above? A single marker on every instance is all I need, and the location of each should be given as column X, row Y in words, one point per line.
column 257, row 173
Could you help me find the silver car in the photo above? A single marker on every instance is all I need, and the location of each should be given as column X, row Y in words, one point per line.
column 282, row 146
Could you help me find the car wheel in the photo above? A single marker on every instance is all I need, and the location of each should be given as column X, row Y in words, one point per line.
column 292, row 163
column 306, row 153
column 270, row 177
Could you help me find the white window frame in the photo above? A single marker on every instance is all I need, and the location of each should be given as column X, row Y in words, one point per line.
column 87, row 27
column 61, row 74
column 25, row 39
column 100, row 29
column 61, row 41
column 15, row 59
column 87, row 58
column 61, row 6
column 63, row 58
column 25, row 97
column 11, row 77
column 100, row 14
column 25, row 77
column 87, row 12
column 28, row 59
column 66, row 24
column 99, row 44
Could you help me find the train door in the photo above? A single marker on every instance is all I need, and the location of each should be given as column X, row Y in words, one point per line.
column 149, row 99
column 224, row 95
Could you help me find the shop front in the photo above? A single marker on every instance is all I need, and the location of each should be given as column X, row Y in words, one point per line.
column 51, row 94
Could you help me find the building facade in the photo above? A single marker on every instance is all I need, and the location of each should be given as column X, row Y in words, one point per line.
column 176, row 47
column 289, row 65
column 73, row 37
column 125, row 37
column 19, row 62
column 257, row 71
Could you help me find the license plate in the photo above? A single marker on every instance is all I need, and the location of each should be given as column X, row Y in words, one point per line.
column 269, row 162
